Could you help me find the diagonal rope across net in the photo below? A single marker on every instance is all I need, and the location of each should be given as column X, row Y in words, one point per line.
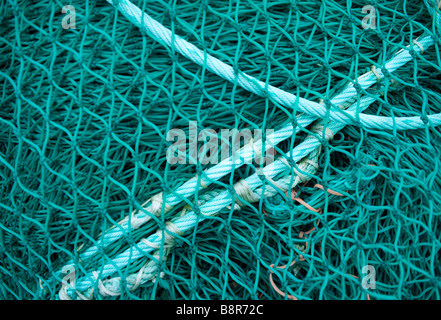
column 85, row 116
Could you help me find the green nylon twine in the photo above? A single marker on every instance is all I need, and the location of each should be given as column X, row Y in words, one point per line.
column 84, row 115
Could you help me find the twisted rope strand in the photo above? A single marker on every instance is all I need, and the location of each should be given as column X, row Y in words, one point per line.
column 165, row 37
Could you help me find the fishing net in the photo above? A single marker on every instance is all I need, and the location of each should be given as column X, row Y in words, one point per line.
column 93, row 208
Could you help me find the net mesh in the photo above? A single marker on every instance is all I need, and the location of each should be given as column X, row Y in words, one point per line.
column 84, row 119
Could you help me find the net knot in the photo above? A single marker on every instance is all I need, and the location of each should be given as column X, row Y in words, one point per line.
column 318, row 129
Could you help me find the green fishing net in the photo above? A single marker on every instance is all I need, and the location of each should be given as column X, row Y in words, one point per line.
column 84, row 117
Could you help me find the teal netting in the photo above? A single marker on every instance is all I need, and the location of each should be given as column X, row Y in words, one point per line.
column 84, row 118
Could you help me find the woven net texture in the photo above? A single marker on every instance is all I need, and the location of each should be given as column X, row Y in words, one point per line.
column 84, row 118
